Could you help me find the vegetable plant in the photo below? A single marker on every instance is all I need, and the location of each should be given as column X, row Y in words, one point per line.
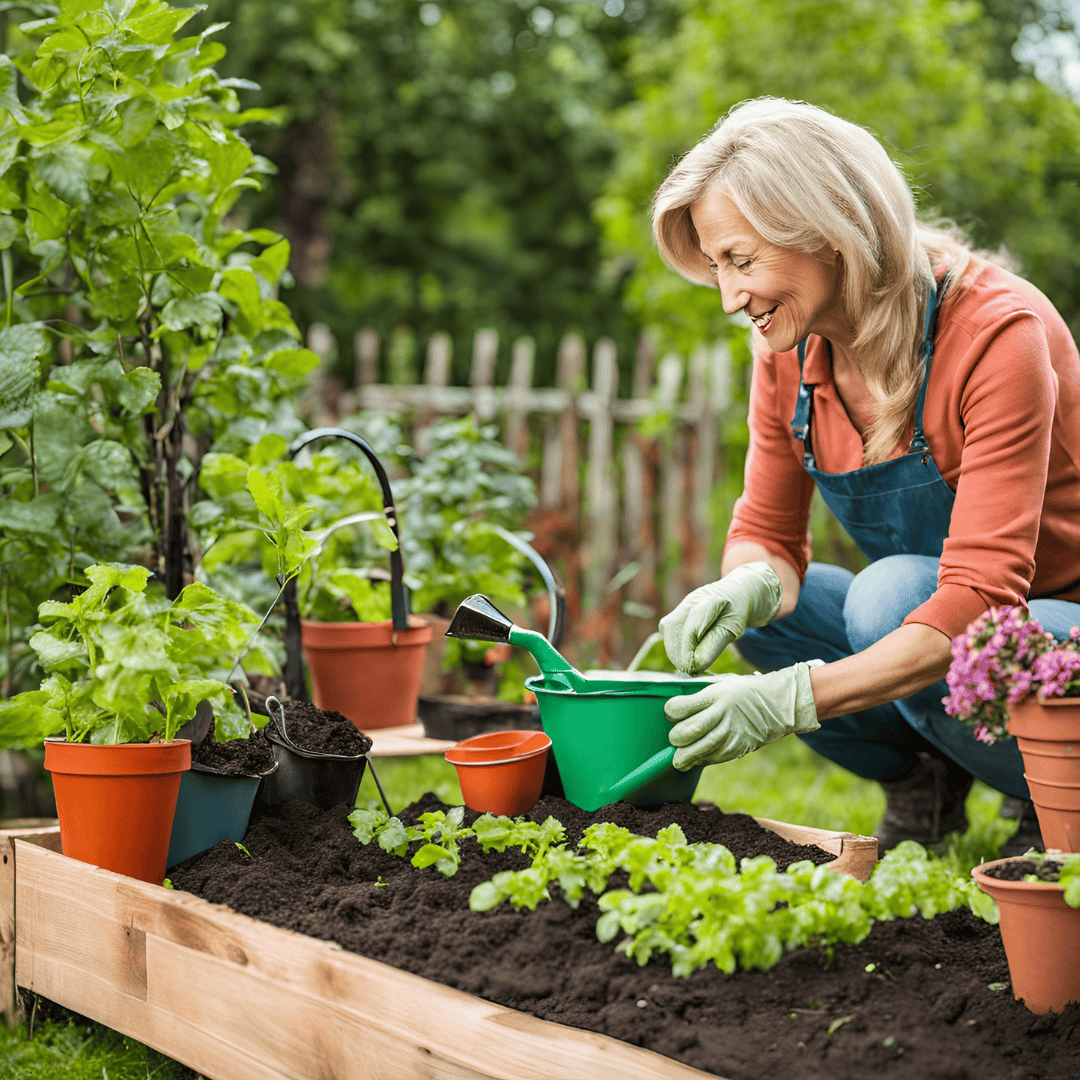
column 693, row 902
column 126, row 665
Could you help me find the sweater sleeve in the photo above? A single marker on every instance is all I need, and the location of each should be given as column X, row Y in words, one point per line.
column 774, row 508
column 1007, row 410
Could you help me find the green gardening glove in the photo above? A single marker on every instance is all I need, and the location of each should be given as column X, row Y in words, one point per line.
column 715, row 615
column 736, row 714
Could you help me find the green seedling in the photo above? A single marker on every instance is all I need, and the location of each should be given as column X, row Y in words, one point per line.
column 243, row 849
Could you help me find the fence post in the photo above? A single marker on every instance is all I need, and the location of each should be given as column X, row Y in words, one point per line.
column 559, row 476
column 639, row 486
column 602, row 525
column 672, row 475
column 482, row 376
column 436, row 374
column 516, row 429
column 366, row 345
column 319, row 400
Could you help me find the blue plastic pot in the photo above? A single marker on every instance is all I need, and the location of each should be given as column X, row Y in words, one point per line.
column 211, row 807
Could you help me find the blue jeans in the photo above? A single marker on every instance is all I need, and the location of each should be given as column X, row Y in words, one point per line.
column 840, row 613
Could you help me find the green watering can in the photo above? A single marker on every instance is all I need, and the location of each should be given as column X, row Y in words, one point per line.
column 609, row 734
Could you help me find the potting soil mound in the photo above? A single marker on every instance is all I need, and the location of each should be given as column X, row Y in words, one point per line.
column 323, row 732
column 1018, row 869
column 252, row 756
column 919, row 999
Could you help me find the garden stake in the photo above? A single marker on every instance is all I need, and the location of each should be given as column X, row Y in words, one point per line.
column 374, row 776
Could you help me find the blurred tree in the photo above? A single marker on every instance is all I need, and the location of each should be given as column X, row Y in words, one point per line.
column 440, row 160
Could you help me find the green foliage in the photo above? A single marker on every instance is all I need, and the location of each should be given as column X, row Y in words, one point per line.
column 439, row 163
column 139, row 320
column 982, row 140
column 467, row 482
column 114, row 651
column 438, row 831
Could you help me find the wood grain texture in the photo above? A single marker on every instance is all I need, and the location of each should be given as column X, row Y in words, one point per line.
column 39, row 831
column 238, row 999
column 855, row 855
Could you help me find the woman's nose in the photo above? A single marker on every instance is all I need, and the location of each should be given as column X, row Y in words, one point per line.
column 733, row 297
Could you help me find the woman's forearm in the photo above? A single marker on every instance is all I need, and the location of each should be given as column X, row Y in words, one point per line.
column 747, row 551
column 909, row 659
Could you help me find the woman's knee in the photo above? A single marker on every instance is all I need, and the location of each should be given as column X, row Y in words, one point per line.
column 884, row 594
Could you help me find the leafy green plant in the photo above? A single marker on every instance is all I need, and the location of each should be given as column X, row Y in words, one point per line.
column 1065, row 869
column 439, row 832
column 127, row 666
column 139, row 320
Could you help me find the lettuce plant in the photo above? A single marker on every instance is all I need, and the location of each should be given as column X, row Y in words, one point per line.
column 124, row 666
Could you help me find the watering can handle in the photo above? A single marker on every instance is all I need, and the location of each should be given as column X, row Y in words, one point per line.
column 399, row 605
column 648, row 770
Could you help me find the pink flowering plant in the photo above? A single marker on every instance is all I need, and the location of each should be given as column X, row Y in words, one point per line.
column 1004, row 656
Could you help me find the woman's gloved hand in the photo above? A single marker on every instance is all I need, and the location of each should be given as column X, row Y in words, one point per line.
column 740, row 713
column 710, row 618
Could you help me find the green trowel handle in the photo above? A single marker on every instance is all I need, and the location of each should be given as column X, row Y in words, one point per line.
column 645, row 772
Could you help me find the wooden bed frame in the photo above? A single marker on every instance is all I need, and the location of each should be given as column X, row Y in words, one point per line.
column 238, row 999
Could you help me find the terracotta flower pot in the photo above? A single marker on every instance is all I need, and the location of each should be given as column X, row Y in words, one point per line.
column 1048, row 736
column 498, row 776
column 116, row 803
column 1041, row 935
column 367, row 671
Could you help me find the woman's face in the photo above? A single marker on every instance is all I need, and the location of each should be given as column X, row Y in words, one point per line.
column 786, row 294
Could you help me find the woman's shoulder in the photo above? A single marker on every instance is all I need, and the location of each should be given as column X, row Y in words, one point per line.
column 989, row 296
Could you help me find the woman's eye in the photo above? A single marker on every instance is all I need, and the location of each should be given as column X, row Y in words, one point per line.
column 744, row 265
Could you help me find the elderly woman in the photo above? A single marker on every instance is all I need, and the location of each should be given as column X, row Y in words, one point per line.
column 933, row 399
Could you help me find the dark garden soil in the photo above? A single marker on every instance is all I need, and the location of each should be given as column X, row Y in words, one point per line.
column 924, row 1011
column 252, row 756
column 1018, row 869
column 323, row 732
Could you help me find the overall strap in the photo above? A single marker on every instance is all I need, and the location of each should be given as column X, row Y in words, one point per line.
column 800, row 422
column 919, row 444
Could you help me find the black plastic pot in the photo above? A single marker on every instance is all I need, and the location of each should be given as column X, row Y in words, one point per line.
column 324, row 780
column 450, row 716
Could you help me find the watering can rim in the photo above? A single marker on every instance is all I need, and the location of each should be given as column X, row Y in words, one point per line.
column 534, row 683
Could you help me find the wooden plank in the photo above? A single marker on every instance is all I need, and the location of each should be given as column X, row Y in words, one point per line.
column 672, row 477
column 236, row 998
column 700, row 469
column 408, row 740
column 516, row 428
column 571, row 379
column 436, row 375
column 482, row 376
column 855, row 855
column 366, row 345
column 602, row 521
column 43, row 831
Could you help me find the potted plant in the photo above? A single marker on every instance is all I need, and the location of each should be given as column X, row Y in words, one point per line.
column 126, row 669
column 1009, row 677
column 1038, row 900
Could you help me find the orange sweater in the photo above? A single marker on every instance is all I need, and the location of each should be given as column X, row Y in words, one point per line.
column 1002, row 417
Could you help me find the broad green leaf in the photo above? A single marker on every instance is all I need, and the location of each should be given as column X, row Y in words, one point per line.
column 9, row 229
column 138, row 391
column 267, row 502
column 199, row 312
column 56, row 654
column 239, row 286
column 272, row 261
column 293, row 362
column 39, row 517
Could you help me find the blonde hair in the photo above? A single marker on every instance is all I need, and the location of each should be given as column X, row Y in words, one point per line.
column 810, row 182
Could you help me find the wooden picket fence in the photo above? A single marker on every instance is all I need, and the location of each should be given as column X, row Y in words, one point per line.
column 623, row 516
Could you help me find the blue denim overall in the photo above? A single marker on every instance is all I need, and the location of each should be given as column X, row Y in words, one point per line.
column 898, row 513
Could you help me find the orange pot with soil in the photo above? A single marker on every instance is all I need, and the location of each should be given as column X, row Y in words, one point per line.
column 369, row 672
column 1041, row 935
column 116, row 803
column 1047, row 734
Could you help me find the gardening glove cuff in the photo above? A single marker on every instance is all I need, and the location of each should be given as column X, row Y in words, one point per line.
column 737, row 714
column 711, row 617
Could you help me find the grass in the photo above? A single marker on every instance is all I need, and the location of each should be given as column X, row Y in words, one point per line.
column 785, row 781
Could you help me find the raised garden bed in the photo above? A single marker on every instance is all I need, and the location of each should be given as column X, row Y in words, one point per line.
column 234, row 997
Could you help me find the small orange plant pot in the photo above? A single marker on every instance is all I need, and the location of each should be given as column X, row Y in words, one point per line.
column 1041, row 935
column 116, row 803
column 1047, row 732
column 502, row 779
column 367, row 671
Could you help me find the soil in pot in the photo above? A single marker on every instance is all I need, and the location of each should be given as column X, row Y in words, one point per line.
column 320, row 731
column 923, row 1011
column 252, row 756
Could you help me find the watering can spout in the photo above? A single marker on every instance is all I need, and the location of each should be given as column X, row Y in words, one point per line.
column 479, row 619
